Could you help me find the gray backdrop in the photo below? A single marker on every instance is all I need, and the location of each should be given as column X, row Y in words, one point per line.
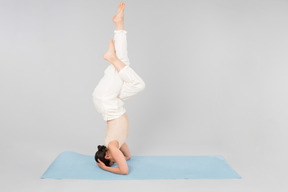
column 216, row 84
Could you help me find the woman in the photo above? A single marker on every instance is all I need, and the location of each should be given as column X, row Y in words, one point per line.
column 119, row 83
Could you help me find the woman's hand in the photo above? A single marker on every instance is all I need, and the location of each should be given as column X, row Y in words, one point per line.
column 101, row 164
column 111, row 169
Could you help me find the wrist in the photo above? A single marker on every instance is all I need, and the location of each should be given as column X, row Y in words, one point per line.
column 105, row 168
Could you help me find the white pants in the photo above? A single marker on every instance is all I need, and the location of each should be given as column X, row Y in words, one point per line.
column 114, row 87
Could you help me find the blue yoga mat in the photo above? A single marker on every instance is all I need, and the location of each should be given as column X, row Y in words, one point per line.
column 72, row 165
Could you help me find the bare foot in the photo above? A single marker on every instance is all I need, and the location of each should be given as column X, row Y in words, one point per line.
column 111, row 53
column 119, row 17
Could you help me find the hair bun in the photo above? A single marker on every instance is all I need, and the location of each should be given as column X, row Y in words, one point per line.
column 101, row 147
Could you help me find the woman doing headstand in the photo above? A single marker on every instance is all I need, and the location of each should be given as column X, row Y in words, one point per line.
column 119, row 83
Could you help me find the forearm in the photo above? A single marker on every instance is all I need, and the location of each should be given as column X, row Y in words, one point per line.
column 114, row 170
column 125, row 150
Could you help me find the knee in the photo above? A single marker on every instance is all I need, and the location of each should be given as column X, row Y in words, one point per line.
column 97, row 95
column 97, row 99
column 141, row 86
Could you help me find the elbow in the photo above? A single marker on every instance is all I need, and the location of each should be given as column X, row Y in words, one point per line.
column 127, row 157
column 125, row 172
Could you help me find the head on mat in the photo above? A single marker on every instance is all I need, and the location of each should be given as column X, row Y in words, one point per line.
column 104, row 155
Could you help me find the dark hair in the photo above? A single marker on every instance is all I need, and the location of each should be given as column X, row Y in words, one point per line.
column 100, row 154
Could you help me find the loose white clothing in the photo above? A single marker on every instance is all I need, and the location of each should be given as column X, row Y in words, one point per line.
column 114, row 87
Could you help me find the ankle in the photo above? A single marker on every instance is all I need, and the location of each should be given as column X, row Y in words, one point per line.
column 120, row 25
column 113, row 58
column 110, row 57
